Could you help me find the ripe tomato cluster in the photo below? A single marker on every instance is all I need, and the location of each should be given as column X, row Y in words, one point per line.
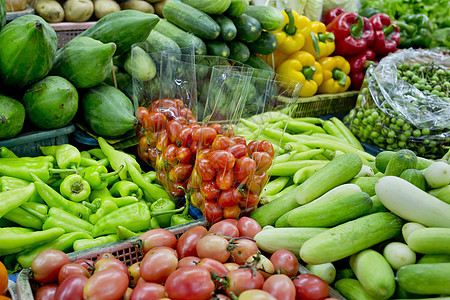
column 220, row 263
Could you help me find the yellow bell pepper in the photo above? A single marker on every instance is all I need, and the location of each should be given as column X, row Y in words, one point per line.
column 335, row 75
column 301, row 67
column 292, row 34
column 324, row 41
column 274, row 59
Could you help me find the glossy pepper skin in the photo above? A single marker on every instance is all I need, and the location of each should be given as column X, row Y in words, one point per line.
column 60, row 218
column 358, row 64
column 67, row 156
column 97, row 176
column 319, row 39
column 291, row 35
column 14, row 198
column 182, row 218
column 301, row 67
column 22, row 168
column 332, row 14
column 387, row 34
column 107, row 207
column 162, row 210
column 9, row 183
column 335, row 75
column 75, row 188
column 352, row 33
column 82, row 244
column 125, row 188
column 120, row 202
column 23, row 218
column 415, row 31
column 124, row 233
column 6, row 153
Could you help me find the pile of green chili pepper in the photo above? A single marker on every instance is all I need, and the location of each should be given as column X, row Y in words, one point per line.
column 71, row 200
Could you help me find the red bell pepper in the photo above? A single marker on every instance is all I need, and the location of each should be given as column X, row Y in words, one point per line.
column 332, row 14
column 358, row 65
column 387, row 35
column 353, row 33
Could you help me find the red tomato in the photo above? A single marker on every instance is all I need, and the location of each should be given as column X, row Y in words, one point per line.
column 256, row 295
column 212, row 211
column 71, row 270
column 169, row 155
column 184, row 155
column 187, row 114
column 224, row 179
column 238, row 150
column 285, row 262
column 280, row 286
column 204, row 135
column 162, row 140
column 213, row 246
column 248, row 227
column 180, row 172
column 153, row 250
column 263, row 146
column 311, row 287
column 205, row 170
column 244, row 168
column 155, row 121
column 257, row 182
column 47, row 264
column 194, row 147
column 157, row 266
column 209, row 190
column 135, row 273
column 188, row 261
column 250, row 200
column 142, row 113
column 224, row 228
column 226, row 130
column 172, row 188
column 185, row 137
column 232, row 212
column 242, row 249
column 85, row 263
column 111, row 262
column 229, row 197
column 188, row 241
column 190, row 283
column 170, row 112
column 110, row 283
column 161, row 175
column 263, row 161
column 204, row 153
column 46, row 292
column 148, row 291
column 222, row 160
column 213, row 265
column 239, row 140
column 158, row 237
column 221, row 142
column 215, row 126
column 231, row 221
column 71, row 288
column 243, row 279
column 173, row 130
column 197, row 199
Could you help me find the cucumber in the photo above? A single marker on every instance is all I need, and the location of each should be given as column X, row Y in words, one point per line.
column 415, row 177
column 374, row 273
column 425, row 279
column 434, row 258
column 431, row 240
column 237, row 8
column 351, row 289
column 156, row 42
column 325, row 271
column 227, row 29
column 409, row 228
column 217, row 48
column 338, row 171
column 183, row 39
column 239, row 51
column 382, row 160
column 411, row 203
column 437, row 174
column 262, row 69
column 265, row 44
column 398, row 255
column 248, row 28
column 213, row 7
column 270, row 17
column 400, row 161
column 191, row 20
column 291, row 239
column 367, row 184
column 344, row 273
column 139, row 64
column 442, row 193
column 377, row 206
column 350, row 237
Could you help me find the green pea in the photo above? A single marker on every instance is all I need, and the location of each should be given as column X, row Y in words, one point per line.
column 402, row 144
column 415, row 78
column 417, row 132
column 406, row 126
column 356, row 121
column 409, row 73
column 415, row 66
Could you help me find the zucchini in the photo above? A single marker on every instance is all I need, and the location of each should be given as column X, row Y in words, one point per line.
column 442, row 193
column 291, row 239
column 212, row 7
column 350, row 237
column 425, row 279
column 432, row 240
column 352, row 289
column 411, row 203
column 398, row 255
column 338, row 171
column 217, row 48
column 248, row 28
column 434, row 258
column 437, row 174
column 239, row 51
column 400, row 161
column 374, row 273
column 265, row 44
column 191, row 20
column 227, row 29
column 270, row 17
column 415, row 177
column 261, row 68
column 367, row 184
column 237, row 8
column 156, row 43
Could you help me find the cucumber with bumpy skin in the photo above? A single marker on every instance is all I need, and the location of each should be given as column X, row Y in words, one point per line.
column 248, row 28
column 400, row 161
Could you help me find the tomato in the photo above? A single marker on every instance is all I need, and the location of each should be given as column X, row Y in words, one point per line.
column 285, row 262
column 142, row 113
column 256, row 295
column 224, row 179
column 197, row 199
column 156, row 249
column 250, row 200
column 280, row 286
column 224, row 228
column 213, row 265
column 221, row 297
column 47, row 264
column 71, row 270
column 46, row 292
column 148, row 291
column 187, row 114
column 232, row 212
column 71, row 288
column 226, row 130
column 158, row 237
column 161, row 175
column 311, row 287
column 135, row 273
column 188, row 241
column 221, row 142
column 243, row 279
column 194, row 147
column 169, row 155
column 184, row 137
column 127, row 294
column 204, row 135
column 244, row 168
column 248, row 227
column 85, row 263
column 262, row 263
column 162, row 140
column 212, row 211
column 231, row 266
column 263, row 161
column 239, row 140
column 172, row 188
column 209, row 190
column 238, row 150
column 229, row 197
column 242, row 249
column 3, row 279
column 205, row 170
column 180, row 172
column 173, row 130
column 105, row 255
column 155, row 121
column 157, row 266
column 184, row 155
column 170, row 112
column 110, row 283
column 213, row 246
column 188, row 261
column 231, row 221
column 190, row 283
column 215, row 126
column 263, row 146
column 257, row 182
column 222, row 160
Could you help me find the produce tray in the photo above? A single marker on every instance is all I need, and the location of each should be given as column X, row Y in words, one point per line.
column 27, row 144
column 66, row 31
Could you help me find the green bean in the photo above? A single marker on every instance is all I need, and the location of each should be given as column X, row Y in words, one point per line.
column 307, row 154
column 285, row 157
column 275, row 186
column 299, row 127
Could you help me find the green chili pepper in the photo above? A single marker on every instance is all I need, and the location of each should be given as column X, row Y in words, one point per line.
column 165, row 206
column 23, row 218
column 416, row 31
column 14, row 198
column 85, row 154
column 120, row 202
column 75, row 188
column 60, row 218
column 33, row 207
column 105, row 208
column 97, row 176
column 63, row 243
column 112, row 180
column 134, row 217
column 5, row 152
column 182, row 218
column 125, row 188
column 17, row 239
column 124, row 233
column 89, row 243
column 117, row 158
column 154, row 223
column 97, row 152
column 67, row 156
column 53, row 199
column 9, row 183
column 87, row 162
column 7, row 223
column 23, row 168
column 150, row 176
column 103, row 193
column 151, row 192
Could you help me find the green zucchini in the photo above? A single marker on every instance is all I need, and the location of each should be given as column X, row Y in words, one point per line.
column 227, row 29
column 367, row 184
column 239, row 51
column 425, row 279
column 237, row 8
column 248, row 28
column 442, row 193
column 350, row 237
column 157, row 42
column 415, row 177
column 270, row 17
column 217, row 48
column 434, row 258
column 374, row 273
column 400, row 161
column 352, row 289
column 262, row 69
column 191, row 20
column 212, row 7
column 265, row 44
column 431, row 240
column 338, row 171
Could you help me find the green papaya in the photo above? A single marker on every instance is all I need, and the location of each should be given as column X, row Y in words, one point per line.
column 124, row 28
column 84, row 61
column 12, row 117
column 107, row 111
column 51, row 103
column 2, row 14
column 123, row 80
column 27, row 51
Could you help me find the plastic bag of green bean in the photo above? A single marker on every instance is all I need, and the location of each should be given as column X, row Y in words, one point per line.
column 404, row 103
